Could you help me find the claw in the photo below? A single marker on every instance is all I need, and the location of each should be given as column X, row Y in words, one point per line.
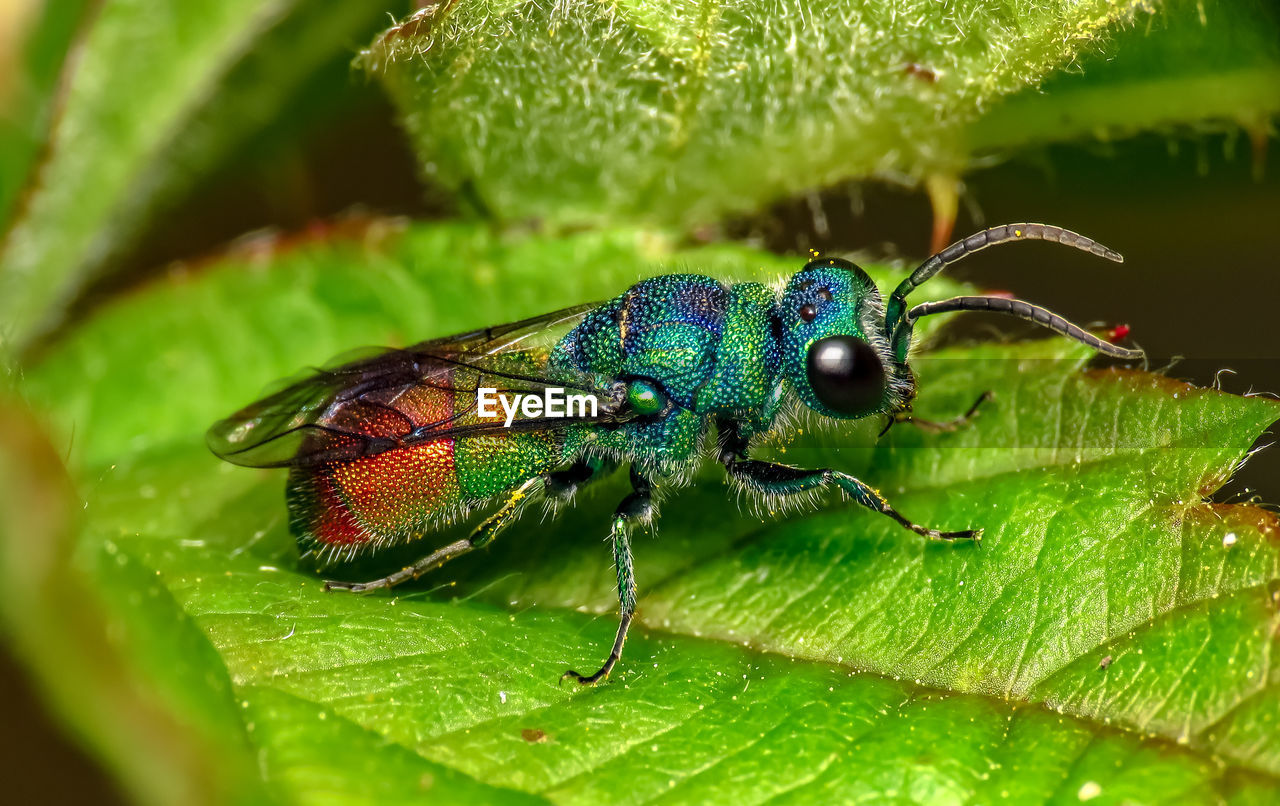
column 331, row 585
column 889, row 422
column 584, row 681
column 965, row 534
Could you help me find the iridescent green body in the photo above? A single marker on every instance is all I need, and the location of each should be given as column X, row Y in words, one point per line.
column 709, row 348
column 390, row 448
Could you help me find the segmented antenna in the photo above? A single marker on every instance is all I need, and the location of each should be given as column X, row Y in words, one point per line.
column 898, row 322
column 1022, row 310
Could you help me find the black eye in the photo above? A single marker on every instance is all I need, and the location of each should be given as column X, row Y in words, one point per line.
column 808, row 312
column 846, row 375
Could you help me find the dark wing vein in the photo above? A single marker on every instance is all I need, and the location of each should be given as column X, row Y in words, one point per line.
column 398, row 398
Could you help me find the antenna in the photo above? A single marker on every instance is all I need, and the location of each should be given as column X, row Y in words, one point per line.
column 898, row 322
column 1022, row 310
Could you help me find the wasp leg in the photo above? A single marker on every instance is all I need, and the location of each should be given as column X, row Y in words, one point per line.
column 638, row 506
column 480, row 537
column 934, row 426
column 563, row 484
column 775, row 479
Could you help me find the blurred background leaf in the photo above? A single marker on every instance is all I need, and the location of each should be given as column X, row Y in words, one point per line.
column 34, row 48
column 155, row 94
column 684, row 113
column 126, row 669
column 1195, row 66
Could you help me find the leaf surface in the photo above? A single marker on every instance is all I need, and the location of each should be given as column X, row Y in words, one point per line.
column 1110, row 639
column 683, row 113
column 1196, row 65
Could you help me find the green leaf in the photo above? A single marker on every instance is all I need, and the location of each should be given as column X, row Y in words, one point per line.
column 587, row 112
column 683, row 113
column 35, row 51
column 114, row 655
column 156, row 94
column 1111, row 638
column 1197, row 64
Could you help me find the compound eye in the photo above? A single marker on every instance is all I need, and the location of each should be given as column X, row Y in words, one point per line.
column 846, row 375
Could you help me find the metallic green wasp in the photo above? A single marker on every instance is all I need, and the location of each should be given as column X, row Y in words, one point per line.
column 385, row 449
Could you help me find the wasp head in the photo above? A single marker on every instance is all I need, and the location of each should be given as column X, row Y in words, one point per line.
column 835, row 350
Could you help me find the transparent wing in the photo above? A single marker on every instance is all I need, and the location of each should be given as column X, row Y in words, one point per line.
column 396, row 398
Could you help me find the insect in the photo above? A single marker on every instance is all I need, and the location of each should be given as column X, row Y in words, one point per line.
column 387, row 448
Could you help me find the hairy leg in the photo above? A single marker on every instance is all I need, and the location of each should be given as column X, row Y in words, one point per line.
column 776, row 479
column 935, row 426
column 638, row 506
column 480, row 537
column 946, row 425
column 563, row 484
